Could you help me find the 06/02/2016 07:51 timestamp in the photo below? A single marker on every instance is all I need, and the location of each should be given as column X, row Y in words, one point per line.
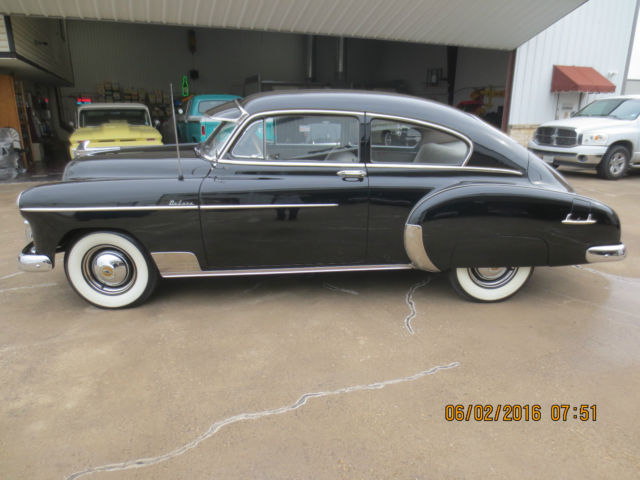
column 558, row 412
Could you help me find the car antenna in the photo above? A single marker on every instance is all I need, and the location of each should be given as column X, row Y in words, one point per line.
column 175, row 133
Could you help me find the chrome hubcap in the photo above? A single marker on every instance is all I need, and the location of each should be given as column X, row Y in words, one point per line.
column 492, row 277
column 616, row 164
column 108, row 270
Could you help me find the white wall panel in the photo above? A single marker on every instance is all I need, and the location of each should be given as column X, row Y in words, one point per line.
column 597, row 35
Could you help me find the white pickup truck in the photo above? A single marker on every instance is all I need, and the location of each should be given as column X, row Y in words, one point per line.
column 604, row 135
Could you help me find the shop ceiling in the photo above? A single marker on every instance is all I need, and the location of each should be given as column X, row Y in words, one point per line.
column 497, row 24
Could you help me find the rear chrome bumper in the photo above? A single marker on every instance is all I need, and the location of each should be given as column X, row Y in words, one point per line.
column 30, row 261
column 606, row 253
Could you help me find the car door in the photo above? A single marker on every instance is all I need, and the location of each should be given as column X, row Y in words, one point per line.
column 408, row 159
column 290, row 190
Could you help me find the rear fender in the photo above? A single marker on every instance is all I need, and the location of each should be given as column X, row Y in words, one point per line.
column 487, row 225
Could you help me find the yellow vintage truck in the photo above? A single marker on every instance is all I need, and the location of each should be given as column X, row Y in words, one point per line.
column 102, row 126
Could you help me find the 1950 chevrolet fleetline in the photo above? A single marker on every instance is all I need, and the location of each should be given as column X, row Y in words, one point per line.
column 316, row 181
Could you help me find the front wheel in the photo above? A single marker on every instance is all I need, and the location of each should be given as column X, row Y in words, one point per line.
column 491, row 284
column 614, row 163
column 110, row 270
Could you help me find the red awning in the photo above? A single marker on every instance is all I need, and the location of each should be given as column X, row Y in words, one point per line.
column 579, row 79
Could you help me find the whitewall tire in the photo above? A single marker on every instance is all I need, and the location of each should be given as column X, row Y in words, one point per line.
column 110, row 270
column 489, row 284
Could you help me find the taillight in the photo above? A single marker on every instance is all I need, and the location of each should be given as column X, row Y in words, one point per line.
column 150, row 139
column 203, row 130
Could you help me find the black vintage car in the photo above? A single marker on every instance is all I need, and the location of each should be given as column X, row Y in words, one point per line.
column 305, row 182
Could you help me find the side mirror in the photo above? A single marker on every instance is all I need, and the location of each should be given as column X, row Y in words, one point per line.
column 572, row 114
column 180, row 111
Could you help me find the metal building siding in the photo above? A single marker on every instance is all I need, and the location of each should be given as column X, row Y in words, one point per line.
column 499, row 24
column 4, row 40
column 596, row 35
column 43, row 42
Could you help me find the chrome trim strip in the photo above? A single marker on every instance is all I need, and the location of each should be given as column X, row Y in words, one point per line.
column 569, row 220
column 109, row 209
column 422, row 166
column 414, row 246
column 606, row 253
column 455, row 133
column 185, row 264
column 265, row 163
column 29, row 261
column 267, row 205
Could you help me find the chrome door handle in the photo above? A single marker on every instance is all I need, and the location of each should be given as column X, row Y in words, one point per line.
column 352, row 173
column 569, row 220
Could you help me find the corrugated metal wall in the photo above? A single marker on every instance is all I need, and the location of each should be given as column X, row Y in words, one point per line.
column 596, row 35
column 43, row 41
column 4, row 41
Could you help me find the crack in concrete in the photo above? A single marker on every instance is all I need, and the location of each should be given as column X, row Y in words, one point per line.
column 409, row 300
column 215, row 427
column 4, row 290
column 11, row 275
column 608, row 275
column 329, row 286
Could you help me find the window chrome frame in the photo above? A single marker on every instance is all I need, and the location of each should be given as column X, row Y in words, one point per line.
column 247, row 120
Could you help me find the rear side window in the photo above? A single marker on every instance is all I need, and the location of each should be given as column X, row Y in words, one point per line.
column 401, row 142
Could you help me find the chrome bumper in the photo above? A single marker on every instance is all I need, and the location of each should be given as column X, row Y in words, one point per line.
column 30, row 261
column 606, row 253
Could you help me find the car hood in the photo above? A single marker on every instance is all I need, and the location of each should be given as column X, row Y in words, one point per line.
column 114, row 131
column 583, row 124
column 138, row 162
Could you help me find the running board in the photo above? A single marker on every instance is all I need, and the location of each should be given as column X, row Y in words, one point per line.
column 185, row 264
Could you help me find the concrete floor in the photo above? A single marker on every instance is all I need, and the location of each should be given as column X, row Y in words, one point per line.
column 207, row 379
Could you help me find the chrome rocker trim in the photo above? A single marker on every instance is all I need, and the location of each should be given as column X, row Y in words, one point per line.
column 414, row 246
column 29, row 261
column 185, row 264
column 606, row 253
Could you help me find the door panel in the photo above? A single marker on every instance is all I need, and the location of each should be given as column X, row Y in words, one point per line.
column 327, row 228
column 290, row 192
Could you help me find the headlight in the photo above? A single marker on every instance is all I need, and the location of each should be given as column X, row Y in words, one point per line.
column 594, row 139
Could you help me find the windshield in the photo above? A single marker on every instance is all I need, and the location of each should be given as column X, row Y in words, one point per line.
column 620, row 109
column 133, row 116
column 228, row 118
column 206, row 105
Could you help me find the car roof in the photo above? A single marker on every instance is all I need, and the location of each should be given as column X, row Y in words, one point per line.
column 112, row 105
column 391, row 104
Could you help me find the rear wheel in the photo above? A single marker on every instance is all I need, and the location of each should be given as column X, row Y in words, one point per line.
column 110, row 270
column 614, row 163
column 491, row 284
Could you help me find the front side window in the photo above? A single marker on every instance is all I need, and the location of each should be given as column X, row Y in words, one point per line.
column 313, row 138
column 401, row 142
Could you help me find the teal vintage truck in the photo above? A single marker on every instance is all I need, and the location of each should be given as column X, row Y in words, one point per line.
column 193, row 126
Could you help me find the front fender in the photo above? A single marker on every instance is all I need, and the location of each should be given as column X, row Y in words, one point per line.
column 162, row 214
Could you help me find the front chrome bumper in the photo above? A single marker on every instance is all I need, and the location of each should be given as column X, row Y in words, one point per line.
column 577, row 156
column 30, row 261
column 606, row 253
